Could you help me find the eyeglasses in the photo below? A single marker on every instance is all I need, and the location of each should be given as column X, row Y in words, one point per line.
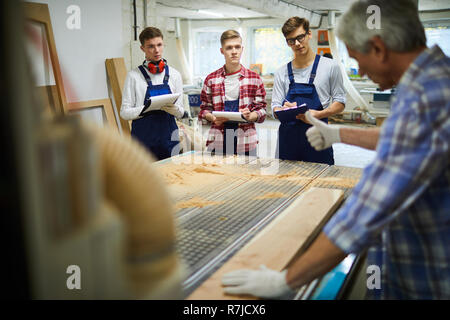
column 300, row 38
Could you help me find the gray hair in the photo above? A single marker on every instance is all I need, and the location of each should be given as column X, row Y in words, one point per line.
column 400, row 26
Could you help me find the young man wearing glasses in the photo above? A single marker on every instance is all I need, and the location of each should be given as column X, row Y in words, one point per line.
column 307, row 79
column 155, row 129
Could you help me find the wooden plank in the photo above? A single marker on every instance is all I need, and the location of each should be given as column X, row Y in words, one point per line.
column 105, row 103
column 379, row 121
column 49, row 98
column 289, row 235
column 39, row 13
column 117, row 73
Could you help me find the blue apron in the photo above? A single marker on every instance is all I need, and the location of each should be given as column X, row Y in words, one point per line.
column 230, row 127
column 292, row 141
column 155, row 129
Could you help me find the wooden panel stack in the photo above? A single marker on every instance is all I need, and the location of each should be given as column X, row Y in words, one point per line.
column 117, row 73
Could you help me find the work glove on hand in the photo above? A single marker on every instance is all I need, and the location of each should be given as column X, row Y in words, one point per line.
column 321, row 135
column 170, row 108
column 264, row 283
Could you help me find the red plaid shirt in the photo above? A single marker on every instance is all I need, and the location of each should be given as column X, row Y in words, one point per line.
column 251, row 95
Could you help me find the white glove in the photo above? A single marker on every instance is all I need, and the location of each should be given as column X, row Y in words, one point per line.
column 321, row 135
column 170, row 108
column 264, row 283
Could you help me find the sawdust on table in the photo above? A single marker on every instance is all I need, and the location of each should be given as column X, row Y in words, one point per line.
column 271, row 195
column 196, row 202
column 188, row 177
column 182, row 178
column 292, row 176
column 272, row 176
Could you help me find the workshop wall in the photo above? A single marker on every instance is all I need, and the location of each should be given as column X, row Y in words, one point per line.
column 82, row 52
column 131, row 51
column 106, row 31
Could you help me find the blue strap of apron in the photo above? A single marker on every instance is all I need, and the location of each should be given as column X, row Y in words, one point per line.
column 166, row 76
column 314, row 69
column 146, row 76
column 290, row 73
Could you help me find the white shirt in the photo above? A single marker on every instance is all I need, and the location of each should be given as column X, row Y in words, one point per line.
column 328, row 82
column 135, row 88
column 232, row 86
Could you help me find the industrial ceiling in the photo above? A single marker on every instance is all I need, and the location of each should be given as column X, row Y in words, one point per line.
column 240, row 9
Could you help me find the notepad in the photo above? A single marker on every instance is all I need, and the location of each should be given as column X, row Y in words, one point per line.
column 157, row 102
column 290, row 114
column 232, row 116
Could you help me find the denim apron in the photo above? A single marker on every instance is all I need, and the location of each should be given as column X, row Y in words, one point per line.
column 230, row 127
column 155, row 129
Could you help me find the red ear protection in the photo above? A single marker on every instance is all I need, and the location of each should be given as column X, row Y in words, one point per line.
column 156, row 67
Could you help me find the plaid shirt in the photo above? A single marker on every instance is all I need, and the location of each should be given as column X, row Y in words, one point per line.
column 251, row 95
column 401, row 206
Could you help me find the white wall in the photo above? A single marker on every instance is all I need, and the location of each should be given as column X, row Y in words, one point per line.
column 82, row 53
column 131, row 51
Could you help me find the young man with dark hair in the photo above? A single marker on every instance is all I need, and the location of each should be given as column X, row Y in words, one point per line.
column 233, row 88
column 157, row 129
column 307, row 79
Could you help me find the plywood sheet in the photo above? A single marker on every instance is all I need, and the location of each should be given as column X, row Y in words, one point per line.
column 39, row 13
column 287, row 236
column 49, row 98
column 117, row 73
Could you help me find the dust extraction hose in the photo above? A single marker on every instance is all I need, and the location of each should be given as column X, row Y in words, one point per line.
column 133, row 185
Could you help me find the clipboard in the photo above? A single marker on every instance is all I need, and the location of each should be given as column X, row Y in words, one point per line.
column 288, row 115
column 232, row 116
column 155, row 103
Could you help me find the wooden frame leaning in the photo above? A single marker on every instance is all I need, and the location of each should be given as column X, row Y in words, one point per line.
column 38, row 12
column 105, row 103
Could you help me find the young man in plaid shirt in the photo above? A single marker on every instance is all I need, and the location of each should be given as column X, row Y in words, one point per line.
column 400, row 209
column 233, row 88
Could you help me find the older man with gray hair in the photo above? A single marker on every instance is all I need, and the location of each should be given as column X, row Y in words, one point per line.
column 400, row 209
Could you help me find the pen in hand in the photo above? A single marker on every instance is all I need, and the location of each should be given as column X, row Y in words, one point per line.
column 288, row 104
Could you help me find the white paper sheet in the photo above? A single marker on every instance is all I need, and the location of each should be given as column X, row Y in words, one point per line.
column 233, row 116
column 160, row 101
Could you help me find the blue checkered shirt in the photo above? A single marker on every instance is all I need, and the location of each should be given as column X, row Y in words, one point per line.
column 400, row 208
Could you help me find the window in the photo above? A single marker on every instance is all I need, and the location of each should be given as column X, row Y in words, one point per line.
column 438, row 33
column 350, row 64
column 269, row 48
column 207, row 56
